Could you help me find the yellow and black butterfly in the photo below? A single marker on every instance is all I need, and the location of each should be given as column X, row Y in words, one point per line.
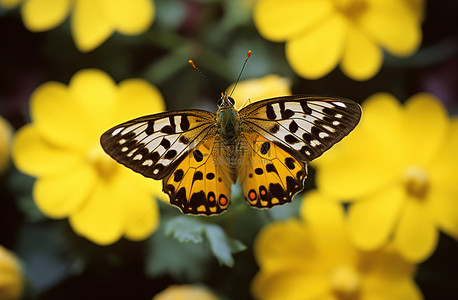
column 266, row 145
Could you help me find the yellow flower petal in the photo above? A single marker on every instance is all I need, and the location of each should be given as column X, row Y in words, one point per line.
column 95, row 92
column 326, row 218
column 41, row 15
column 34, row 156
column 58, row 118
column 443, row 192
column 387, row 288
column 362, row 58
column 392, row 24
column 102, row 218
column 142, row 215
column 57, row 195
column 371, row 221
column 278, row 22
column 426, row 128
column 256, row 89
column 386, row 263
column 443, row 208
column 291, row 284
column 185, row 292
column 11, row 277
column 415, row 236
column 270, row 251
column 136, row 98
column 91, row 24
column 130, row 17
column 316, row 53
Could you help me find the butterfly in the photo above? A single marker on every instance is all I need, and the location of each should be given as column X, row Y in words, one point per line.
column 266, row 145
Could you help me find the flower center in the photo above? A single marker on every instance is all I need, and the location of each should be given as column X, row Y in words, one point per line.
column 345, row 282
column 416, row 182
column 103, row 163
column 351, row 8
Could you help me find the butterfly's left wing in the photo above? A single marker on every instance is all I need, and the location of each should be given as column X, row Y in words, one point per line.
column 179, row 147
column 154, row 145
column 286, row 134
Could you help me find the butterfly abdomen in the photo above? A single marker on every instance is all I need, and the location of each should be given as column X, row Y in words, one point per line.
column 229, row 125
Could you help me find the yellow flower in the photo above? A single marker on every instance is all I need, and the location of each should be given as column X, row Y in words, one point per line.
column 92, row 22
column 313, row 259
column 256, row 89
column 5, row 140
column 401, row 170
column 185, row 292
column 11, row 279
column 321, row 33
column 75, row 178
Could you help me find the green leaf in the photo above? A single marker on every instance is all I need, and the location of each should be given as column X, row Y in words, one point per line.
column 184, row 262
column 222, row 246
column 191, row 230
column 185, row 230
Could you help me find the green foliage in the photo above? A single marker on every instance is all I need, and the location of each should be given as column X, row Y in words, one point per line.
column 190, row 230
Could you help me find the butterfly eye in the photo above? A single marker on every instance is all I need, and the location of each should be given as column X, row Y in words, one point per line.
column 220, row 102
column 231, row 100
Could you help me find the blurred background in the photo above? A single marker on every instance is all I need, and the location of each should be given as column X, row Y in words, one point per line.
column 57, row 263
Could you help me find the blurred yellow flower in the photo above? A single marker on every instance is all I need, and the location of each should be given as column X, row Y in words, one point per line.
column 400, row 167
column 259, row 88
column 185, row 292
column 5, row 141
column 75, row 178
column 321, row 33
column 11, row 279
column 92, row 22
column 313, row 259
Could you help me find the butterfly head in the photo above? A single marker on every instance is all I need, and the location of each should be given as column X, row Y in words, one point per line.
column 225, row 101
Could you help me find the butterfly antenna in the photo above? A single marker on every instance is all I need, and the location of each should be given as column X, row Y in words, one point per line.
column 241, row 71
column 191, row 62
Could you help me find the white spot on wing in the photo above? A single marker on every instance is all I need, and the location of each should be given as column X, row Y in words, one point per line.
column 329, row 128
column 315, row 143
column 140, row 129
column 338, row 116
column 323, row 135
column 124, row 149
column 178, row 124
column 130, row 128
column 341, row 104
column 159, row 124
column 321, row 103
column 276, row 108
column 335, row 123
column 138, row 157
column 315, row 107
column 147, row 162
column 131, row 152
column 116, row 131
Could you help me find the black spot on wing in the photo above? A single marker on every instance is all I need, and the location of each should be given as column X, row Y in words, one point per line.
column 197, row 176
column 178, row 175
column 265, row 147
column 168, row 129
column 270, row 113
column 293, row 127
column 184, row 124
column 198, row 156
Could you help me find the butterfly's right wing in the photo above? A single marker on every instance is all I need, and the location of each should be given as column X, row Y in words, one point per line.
column 154, row 145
